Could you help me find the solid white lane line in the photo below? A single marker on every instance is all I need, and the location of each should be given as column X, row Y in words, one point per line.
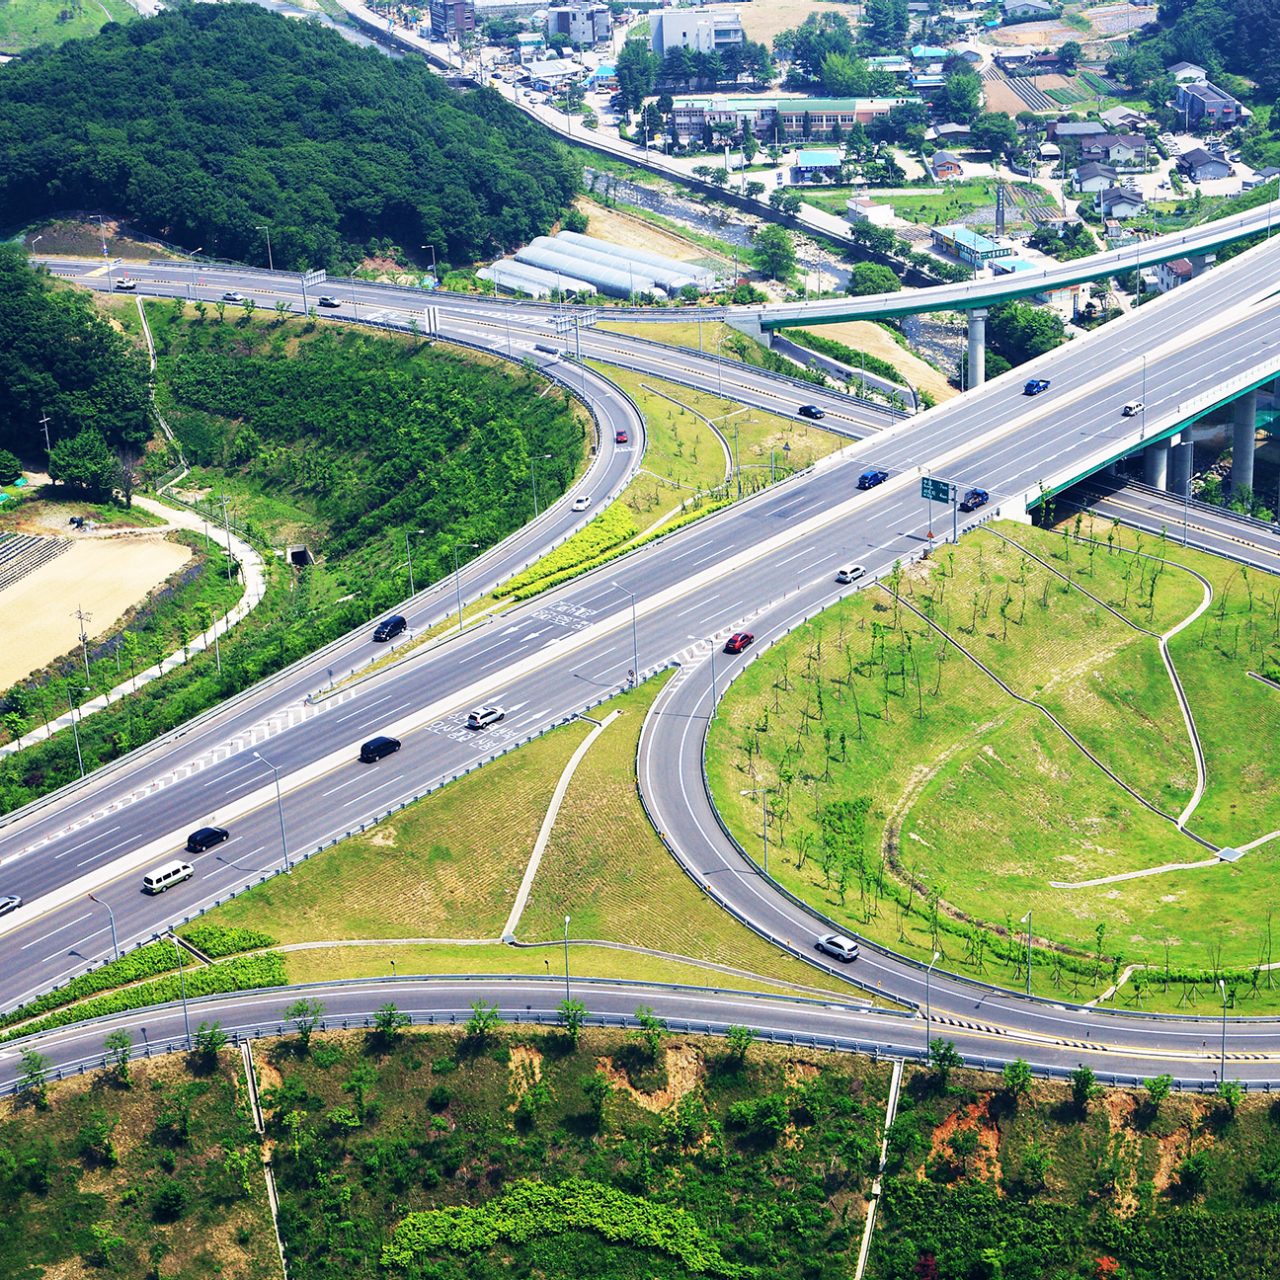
column 798, row 554
column 341, row 785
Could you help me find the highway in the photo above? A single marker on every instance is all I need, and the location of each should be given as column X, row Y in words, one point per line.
column 760, row 563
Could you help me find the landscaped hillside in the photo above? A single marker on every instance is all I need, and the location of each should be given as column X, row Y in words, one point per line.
column 210, row 121
column 482, row 1153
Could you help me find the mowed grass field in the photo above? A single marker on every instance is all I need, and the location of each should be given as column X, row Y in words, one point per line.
column 448, row 867
column 977, row 802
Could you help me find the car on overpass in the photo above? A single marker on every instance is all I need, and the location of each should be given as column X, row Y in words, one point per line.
column 1132, row 408
column 580, row 503
column 620, row 437
column 974, row 499
column 737, row 642
column 1034, row 386
column 872, row 477
column 850, row 573
column 127, row 285
column 811, row 411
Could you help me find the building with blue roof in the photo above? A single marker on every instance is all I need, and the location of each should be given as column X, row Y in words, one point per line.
column 971, row 247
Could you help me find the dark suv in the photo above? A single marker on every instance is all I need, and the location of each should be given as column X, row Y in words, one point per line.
column 869, row 479
column 206, row 838
column 377, row 748
column 974, row 499
column 390, row 627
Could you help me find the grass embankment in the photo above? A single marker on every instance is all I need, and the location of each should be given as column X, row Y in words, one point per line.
column 51, row 22
column 949, row 202
column 979, row 801
column 449, row 867
column 158, row 1175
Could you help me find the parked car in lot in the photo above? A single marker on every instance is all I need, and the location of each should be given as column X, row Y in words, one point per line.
column 737, row 642
column 377, row 748
column 581, row 503
column 205, row 838
column 872, row 477
column 1034, row 386
column 10, row 902
column 974, row 499
column 482, row 717
column 837, row 946
column 811, row 411
column 325, row 300
column 1132, row 408
column 389, row 628
column 128, row 285
column 232, row 296
column 850, row 573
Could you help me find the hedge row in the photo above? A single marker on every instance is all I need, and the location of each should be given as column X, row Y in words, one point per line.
column 217, row 940
column 612, row 527
column 846, row 354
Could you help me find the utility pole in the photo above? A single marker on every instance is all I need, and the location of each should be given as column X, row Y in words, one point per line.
column 84, row 638
column 271, row 266
column 226, row 524
column 44, row 422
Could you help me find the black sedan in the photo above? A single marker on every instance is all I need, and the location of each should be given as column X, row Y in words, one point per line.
column 206, row 838
column 811, row 411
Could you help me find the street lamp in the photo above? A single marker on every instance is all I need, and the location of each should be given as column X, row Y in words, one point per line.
column 928, row 1008
column 182, row 986
column 1222, row 1071
column 75, row 731
column 194, row 266
column 764, row 820
column 566, row 958
column 635, row 648
column 284, row 843
column 271, row 266
column 533, row 472
column 408, row 555
column 1027, row 921
column 457, row 577
column 434, row 274
column 111, row 915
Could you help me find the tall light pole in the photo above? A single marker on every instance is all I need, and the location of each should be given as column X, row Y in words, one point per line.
column 457, row 576
column 764, row 819
column 194, row 265
column 928, row 1007
column 271, row 266
column 284, row 842
column 635, row 647
column 566, row 958
column 75, row 731
column 533, row 472
column 1222, row 1070
column 408, row 555
column 111, row 915
column 1027, row 921
column 102, row 227
column 182, row 986
column 435, row 275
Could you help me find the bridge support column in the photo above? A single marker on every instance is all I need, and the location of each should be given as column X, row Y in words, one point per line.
column 1155, row 464
column 1243, row 438
column 1180, row 469
column 977, row 347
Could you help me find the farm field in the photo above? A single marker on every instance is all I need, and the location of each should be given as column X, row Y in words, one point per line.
column 960, row 807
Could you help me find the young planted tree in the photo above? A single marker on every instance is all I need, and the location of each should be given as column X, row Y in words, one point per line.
column 305, row 1014
column 573, row 1013
column 1084, row 1088
column 119, row 1045
column 650, row 1031
column 739, row 1039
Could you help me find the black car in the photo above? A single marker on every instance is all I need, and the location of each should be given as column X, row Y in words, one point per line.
column 1035, row 386
column 869, row 479
column 390, row 627
column 377, row 748
column 206, row 838
column 811, row 411
column 974, row 499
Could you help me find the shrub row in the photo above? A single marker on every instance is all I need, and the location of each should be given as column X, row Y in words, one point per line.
column 217, row 940
column 611, row 528
column 846, row 354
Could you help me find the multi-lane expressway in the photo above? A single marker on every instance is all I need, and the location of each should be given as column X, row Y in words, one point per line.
column 765, row 560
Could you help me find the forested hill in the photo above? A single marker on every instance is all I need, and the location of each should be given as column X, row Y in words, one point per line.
column 211, row 120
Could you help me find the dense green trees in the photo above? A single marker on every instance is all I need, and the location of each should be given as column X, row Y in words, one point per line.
column 1020, row 332
column 60, row 360
column 775, row 252
column 871, row 277
column 212, row 120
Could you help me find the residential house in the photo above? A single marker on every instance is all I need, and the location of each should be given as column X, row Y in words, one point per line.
column 1200, row 166
column 928, row 53
column 1012, row 59
column 947, row 133
column 530, row 45
column 1206, row 105
column 1169, row 275
column 703, row 30
column 1261, row 178
column 554, row 73
column 1026, row 9
column 864, row 209
column 1074, row 130
column 1123, row 118
column 894, row 64
column 1187, row 73
column 1050, row 151
column 945, row 167
column 1118, row 235
column 1120, row 203
column 926, row 84
column 1093, row 177
column 816, row 164
column 1125, row 150
column 968, row 245
column 580, row 23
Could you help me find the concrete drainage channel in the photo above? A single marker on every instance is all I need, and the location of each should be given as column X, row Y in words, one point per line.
column 255, row 1106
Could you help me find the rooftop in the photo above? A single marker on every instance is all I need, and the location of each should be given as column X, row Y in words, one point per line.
column 960, row 234
column 819, row 157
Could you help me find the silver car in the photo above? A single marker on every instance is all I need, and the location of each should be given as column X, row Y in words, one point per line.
column 482, row 717
column 10, row 902
column 837, row 946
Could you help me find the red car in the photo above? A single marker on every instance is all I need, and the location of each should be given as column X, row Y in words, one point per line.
column 739, row 641
column 619, row 437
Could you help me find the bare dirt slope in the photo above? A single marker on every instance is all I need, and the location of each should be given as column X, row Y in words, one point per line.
column 862, row 335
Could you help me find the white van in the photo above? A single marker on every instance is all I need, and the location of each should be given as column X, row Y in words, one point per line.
column 165, row 877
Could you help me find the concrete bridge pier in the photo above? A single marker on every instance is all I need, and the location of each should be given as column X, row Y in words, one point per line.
column 1244, row 433
column 977, row 347
column 1180, row 464
column 1155, row 464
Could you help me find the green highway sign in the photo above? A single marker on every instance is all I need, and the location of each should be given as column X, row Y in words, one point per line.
column 935, row 490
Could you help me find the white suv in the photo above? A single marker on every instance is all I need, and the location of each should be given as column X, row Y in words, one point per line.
column 482, row 717
column 837, row 945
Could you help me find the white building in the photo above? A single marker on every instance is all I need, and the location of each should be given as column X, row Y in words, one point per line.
column 704, row 30
column 863, row 209
column 582, row 24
